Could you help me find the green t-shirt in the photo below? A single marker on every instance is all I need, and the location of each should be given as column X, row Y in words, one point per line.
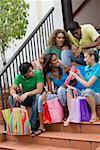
column 55, row 50
column 29, row 84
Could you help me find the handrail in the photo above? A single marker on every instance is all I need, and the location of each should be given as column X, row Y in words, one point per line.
column 30, row 50
column 27, row 40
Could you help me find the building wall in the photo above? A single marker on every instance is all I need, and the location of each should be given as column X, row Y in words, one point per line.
column 89, row 14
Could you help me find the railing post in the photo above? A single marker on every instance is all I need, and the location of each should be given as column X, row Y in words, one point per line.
column 1, row 92
column 2, row 100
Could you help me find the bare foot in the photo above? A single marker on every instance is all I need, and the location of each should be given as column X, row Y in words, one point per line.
column 66, row 123
column 44, row 95
column 93, row 118
column 64, row 120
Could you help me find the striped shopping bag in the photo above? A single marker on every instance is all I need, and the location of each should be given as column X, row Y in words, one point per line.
column 17, row 121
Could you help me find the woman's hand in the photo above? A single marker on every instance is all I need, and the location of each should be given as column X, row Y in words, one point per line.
column 44, row 96
column 72, row 74
column 79, row 73
column 79, row 50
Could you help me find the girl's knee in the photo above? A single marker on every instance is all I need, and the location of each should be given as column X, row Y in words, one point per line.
column 88, row 93
column 61, row 90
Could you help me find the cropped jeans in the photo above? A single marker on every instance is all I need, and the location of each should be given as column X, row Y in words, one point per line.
column 86, row 92
column 61, row 95
column 31, row 101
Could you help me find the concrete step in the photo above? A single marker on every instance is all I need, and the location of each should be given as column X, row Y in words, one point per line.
column 84, row 127
column 16, row 146
column 2, row 137
column 80, row 141
column 29, row 109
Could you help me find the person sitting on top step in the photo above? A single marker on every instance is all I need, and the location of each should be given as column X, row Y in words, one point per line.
column 83, row 37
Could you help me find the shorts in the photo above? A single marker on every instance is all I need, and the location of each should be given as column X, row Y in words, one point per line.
column 86, row 92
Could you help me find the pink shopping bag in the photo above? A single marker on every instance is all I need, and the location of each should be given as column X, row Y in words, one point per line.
column 55, row 110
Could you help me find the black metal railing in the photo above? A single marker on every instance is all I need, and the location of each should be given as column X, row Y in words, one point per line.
column 30, row 50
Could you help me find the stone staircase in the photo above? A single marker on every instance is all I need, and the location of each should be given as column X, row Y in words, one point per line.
column 83, row 136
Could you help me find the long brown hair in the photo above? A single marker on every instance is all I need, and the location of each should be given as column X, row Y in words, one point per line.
column 52, row 38
column 47, row 67
column 46, row 64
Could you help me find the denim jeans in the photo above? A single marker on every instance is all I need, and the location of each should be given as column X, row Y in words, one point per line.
column 61, row 94
column 31, row 101
column 40, row 102
column 67, row 58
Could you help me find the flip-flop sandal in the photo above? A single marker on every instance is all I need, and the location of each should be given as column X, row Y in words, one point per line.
column 39, row 131
column 32, row 134
column 93, row 120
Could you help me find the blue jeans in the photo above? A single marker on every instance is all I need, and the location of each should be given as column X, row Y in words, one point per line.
column 40, row 102
column 31, row 101
column 67, row 58
column 61, row 94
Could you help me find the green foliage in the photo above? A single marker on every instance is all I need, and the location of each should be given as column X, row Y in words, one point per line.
column 13, row 21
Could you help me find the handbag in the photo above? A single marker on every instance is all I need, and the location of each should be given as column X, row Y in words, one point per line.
column 17, row 121
column 55, row 109
column 72, row 81
column 80, row 111
column 84, row 110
